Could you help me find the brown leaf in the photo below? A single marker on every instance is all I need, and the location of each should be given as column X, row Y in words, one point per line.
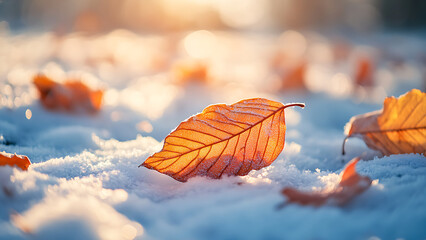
column 290, row 74
column 400, row 127
column 350, row 185
column 14, row 160
column 224, row 140
column 295, row 78
column 71, row 96
column 186, row 71
column 364, row 72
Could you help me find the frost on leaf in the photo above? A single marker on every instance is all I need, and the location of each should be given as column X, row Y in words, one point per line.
column 351, row 184
column 71, row 96
column 224, row 140
column 400, row 127
column 14, row 160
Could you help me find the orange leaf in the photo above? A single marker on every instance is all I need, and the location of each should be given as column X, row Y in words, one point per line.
column 224, row 140
column 291, row 74
column 295, row 78
column 350, row 185
column 364, row 72
column 400, row 127
column 185, row 71
column 12, row 160
column 71, row 96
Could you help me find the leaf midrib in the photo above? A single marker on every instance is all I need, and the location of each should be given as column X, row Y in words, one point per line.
column 389, row 130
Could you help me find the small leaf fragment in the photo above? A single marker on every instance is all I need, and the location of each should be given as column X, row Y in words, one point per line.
column 351, row 185
column 14, row 160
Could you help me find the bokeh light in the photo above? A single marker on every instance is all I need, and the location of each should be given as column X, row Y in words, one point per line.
column 242, row 13
column 200, row 44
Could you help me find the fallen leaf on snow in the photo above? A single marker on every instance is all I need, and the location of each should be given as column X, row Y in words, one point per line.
column 295, row 78
column 185, row 71
column 400, row 127
column 72, row 96
column 291, row 74
column 224, row 140
column 364, row 72
column 351, row 185
column 14, row 160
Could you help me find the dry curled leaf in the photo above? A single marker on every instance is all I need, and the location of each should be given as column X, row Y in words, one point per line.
column 14, row 160
column 224, row 140
column 72, row 96
column 351, row 184
column 400, row 127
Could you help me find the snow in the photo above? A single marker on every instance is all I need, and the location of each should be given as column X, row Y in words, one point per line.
column 85, row 183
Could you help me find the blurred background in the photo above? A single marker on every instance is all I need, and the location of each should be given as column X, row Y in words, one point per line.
column 170, row 15
column 160, row 61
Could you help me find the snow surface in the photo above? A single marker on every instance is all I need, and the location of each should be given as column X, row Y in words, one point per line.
column 84, row 182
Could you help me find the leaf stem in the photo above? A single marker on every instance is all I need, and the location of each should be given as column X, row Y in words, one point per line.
column 302, row 105
column 343, row 145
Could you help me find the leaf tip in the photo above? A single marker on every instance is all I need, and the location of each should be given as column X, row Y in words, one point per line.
column 350, row 170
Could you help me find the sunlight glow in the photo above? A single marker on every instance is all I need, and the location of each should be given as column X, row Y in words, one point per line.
column 316, row 78
column 322, row 79
column 321, row 53
column 293, row 44
column 149, row 96
column 242, row 13
column 144, row 126
column 340, row 85
column 200, row 44
column 128, row 232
